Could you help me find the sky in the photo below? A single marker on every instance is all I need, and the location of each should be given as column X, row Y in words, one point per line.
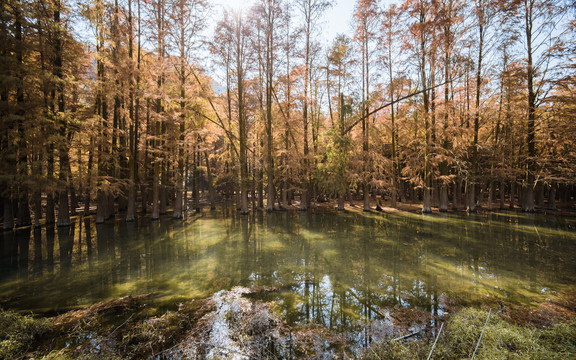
column 336, row 20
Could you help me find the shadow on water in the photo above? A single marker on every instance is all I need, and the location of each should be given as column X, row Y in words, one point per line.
column 342, row 271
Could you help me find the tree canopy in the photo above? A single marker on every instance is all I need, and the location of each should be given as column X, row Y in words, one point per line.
column 130, row 106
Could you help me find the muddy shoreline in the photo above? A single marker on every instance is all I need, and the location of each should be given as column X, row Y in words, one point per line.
column 236, row 325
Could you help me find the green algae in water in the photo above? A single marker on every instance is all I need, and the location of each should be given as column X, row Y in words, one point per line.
column 333, row 269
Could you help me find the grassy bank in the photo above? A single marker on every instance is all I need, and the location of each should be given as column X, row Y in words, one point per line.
column 500, row 340
column 231, row 324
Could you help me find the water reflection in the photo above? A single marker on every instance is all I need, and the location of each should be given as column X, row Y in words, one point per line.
column 339, row 270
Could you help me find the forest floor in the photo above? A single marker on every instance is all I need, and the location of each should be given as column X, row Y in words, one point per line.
column 567, row 209
column 234, row 325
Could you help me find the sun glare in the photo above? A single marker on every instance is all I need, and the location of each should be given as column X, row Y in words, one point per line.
column 236, row 4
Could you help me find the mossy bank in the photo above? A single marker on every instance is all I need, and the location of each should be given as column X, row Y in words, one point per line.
column 232, row 324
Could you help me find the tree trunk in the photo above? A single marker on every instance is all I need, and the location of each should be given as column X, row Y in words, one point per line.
column 131, row 210
column 111, row 212
column 490, row 195
column 260, row 186
column 8, row 218
column 435, row 194
column 284, row 195
column 540, row 194
column 50, row 212
column 427, row 203
column 552, row 196
column 23, row 218
column 457, row 194
column 502, row 188
column 196, row 175
column 156, row 191
column 303, row 199
column 242, row 129
column 366, row 193
column 443, row 197
column 134, row 113
column 211, row 191
column 480, row 195
column 73, row 201
column 63, row 205
column 528, row 203
column 470, row 197
column 402, row 188
column 37, row 203
column 512, row 194
column 393, row 197
column 178, row 202
column 340, row 201
column 269, row 89
column 528, row 197
column 474, row 179
column 101, row 206
column 145, row 195
column 163, row 198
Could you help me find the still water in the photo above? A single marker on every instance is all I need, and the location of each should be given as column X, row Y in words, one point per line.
column 329, row 268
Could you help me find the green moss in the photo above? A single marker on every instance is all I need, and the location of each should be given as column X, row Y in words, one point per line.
column 58, row 355
column 19, row 332
column 154, row 334
column 501, row 340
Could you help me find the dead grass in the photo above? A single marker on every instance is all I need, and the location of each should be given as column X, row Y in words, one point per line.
column 234, row 324
column 501, row 340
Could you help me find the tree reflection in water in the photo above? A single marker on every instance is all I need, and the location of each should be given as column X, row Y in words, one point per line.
column 342, row 271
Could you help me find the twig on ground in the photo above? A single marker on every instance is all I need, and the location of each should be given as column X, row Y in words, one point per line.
column 435, row 341
column 119, row 326
column 374, row 352
column 206, row 344
column 407, row 336
column 482, row 333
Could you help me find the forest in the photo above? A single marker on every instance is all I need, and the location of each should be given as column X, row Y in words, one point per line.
column 140, row 107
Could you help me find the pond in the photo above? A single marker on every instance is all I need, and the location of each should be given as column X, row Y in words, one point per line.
column 330, row 268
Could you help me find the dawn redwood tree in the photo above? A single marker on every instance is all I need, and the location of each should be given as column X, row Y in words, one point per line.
column 482, row 12
column 391, row 54
column 338, row 77
column 450, row 19
column 60, row 116
column 158, row 21
column 366, row 16
column 539, row 18
column 95, row 13
column 560, row 129
column 231, row 47
column 311, row 12
column 420, row 29
column 285, row 101
column 139, row 108
column 8, row 63
column 188, row 19
column 23, row 216
column 133, row 107
column 269, row 14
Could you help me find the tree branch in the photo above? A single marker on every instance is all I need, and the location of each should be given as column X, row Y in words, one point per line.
column 391, row 103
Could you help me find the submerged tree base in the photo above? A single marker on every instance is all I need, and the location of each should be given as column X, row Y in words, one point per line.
column 232, row 325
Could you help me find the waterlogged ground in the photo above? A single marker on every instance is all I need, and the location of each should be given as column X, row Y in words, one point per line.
column 337, row 270
column 291, row 285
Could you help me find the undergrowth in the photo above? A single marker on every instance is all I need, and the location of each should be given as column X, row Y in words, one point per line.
column 125, row 329
column 501, row 340
column 19, row 332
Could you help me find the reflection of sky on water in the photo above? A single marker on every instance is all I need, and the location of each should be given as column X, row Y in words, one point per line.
column 338, row 270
